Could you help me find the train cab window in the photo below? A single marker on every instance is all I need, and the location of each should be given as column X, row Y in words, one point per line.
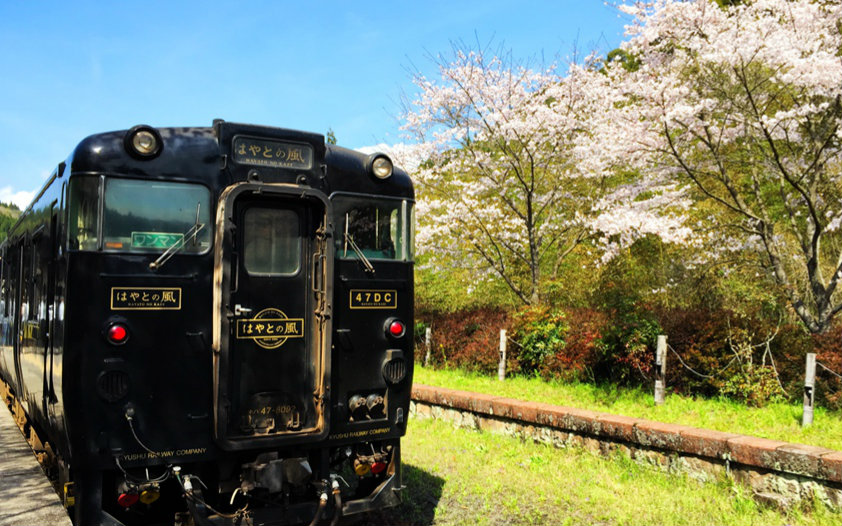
column 272, row 241
column 83, row 213
column 379, row 228
column 147, row 216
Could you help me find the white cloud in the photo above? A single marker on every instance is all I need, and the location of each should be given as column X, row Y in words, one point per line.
column 407, row 156
column 378, row 148
column 20, row 198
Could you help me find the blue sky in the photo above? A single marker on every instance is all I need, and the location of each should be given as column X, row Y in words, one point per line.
column 71, row 69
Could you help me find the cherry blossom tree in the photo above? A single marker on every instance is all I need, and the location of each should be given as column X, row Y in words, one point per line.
column 498, row 180
column 737, row 109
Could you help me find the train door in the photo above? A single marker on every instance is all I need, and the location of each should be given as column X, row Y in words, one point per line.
column 7, row 303
column 20, row 313
column 271, row 366
column 48, row 255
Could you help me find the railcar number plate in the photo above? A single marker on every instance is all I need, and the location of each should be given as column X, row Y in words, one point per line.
column 374, row 299
column 276, row 154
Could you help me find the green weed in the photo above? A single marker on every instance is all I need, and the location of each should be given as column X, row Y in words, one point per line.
column 777, row 421
column 493, row 480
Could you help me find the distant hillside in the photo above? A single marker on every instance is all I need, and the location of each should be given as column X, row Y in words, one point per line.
column 9, row 213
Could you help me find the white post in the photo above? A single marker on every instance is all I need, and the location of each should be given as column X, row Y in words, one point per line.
column 660, row 368
column 428, row 344
column 501, row 368
column 809, row 390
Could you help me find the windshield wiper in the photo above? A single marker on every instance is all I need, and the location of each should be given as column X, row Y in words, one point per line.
column 178, row 245
column 349, row 240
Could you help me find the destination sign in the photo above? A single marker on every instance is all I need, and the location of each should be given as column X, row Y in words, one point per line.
column 155, row 239
column 277, row 154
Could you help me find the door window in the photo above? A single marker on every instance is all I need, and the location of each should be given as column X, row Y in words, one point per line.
column 272, row 240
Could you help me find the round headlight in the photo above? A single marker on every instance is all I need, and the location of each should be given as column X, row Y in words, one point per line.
column 143, row 142
column 381, row 167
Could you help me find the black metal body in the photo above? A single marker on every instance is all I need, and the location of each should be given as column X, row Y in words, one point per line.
column 191, row 386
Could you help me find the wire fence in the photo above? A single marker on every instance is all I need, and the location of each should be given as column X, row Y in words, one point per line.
column 826, row 368
column 660, row 365
column 719, row 373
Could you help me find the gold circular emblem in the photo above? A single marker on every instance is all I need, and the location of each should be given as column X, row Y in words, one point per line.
column 273, row 328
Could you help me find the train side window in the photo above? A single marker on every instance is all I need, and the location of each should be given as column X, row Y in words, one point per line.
column 83, row 214
column 4, row 283
column 10, row 279
column 380, row 228
column 26, row 282
column 35, row 279
column 272, row 241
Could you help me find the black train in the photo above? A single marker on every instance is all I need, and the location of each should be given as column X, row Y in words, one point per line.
column 210, row 326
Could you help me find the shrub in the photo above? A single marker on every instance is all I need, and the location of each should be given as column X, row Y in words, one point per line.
column 540, row 333
column 755, row 386
column 827, row 349
column 700, row 337
column 629, row 347
column 583, row 348
column 468, row 339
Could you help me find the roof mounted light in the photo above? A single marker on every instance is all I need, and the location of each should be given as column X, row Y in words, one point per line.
column 381, row 166
column 143, row 142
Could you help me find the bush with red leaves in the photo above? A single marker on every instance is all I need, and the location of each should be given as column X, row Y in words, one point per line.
column 466, row 339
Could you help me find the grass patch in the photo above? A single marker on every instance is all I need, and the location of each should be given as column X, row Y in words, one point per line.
column 776, row 421
column 457, row 476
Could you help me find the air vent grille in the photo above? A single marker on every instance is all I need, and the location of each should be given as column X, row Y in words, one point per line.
column 394, row 370
column 113, row 385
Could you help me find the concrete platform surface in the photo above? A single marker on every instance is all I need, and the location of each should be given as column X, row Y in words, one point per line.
column 26, row 496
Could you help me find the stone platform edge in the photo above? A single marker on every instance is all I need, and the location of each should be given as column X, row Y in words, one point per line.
column 763, row 454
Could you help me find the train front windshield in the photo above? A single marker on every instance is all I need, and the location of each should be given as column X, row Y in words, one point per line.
column 380, row 229
column 138, row 216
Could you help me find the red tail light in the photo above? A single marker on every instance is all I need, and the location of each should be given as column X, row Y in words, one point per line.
column 127, row 499
column 396, row 328
column 117, row 334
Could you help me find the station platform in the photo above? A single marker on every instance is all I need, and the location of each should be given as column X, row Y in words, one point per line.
column 26, row 496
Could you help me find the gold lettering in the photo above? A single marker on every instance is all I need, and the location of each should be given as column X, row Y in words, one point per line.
column 295, row 155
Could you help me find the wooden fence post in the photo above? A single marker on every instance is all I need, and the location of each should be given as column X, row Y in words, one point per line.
column 428, row 344
column 809, row 389
column 501, row 368
column 660, row 368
